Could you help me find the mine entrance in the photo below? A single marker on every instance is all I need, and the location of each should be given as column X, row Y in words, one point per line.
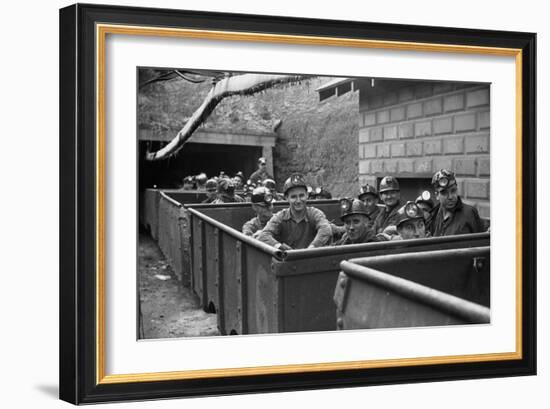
column 195, row 158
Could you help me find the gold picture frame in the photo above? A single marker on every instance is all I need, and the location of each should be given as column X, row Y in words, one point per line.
column 83, row 59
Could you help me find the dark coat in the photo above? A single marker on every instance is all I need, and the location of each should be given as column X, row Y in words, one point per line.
column 386, row 218
column 463, row 219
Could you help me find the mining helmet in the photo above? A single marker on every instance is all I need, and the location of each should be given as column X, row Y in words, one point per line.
column 226, row 186
column 425, row 197
column 367, row 190
column 211, row 184
column 262, row 160
column 443, row 179
column 261, row 195
column 239, row 175
column 269, row 183
column 295, row 180
column 352, row 206
column 188, row 182
column 409, row 211
column 201, row 178
column 322, row 193
column 388, row 183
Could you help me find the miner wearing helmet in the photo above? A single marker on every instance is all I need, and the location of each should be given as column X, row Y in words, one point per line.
column 298, row 226
column 410, row 222
column 391, row 197
column 271, row 185
column 356, row 219
column 450, row 215
column 320, row 193
column 263, row 207
column 201, row 179
column 369, row 196
column 261, row 174
column 239, row 180
column 226, row 192
column 188, row 183
column 211, row 187
column 426, row 204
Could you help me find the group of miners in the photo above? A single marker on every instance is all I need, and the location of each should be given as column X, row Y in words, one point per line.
column 365, row 220
column 375, row 215
column 235, row 189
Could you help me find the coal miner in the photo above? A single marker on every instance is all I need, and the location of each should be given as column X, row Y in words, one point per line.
column 271, row 185
column 356, row 221
column 211, row 187
column 238, row 180
column 426, row 204
column 390, row 195
column 410, row 222
column 261, row 174
column 226, row 192
column 451, row 216
column 298, row 226
column 263, row 207
column 369, row 196
column 201, row 180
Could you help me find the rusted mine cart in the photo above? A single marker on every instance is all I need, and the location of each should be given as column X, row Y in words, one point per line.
column 164, row 214
column 213, row 251
column 253, row 287
column 258, row 289
column 442, row 287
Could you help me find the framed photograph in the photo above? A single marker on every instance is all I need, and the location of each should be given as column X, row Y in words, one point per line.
column 258, row 203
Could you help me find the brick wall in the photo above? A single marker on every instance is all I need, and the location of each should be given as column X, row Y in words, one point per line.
column 414, row 131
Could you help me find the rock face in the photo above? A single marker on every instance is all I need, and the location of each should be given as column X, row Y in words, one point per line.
column 320, row 140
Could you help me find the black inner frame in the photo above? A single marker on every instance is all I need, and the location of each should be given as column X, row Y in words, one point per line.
column 77, row 203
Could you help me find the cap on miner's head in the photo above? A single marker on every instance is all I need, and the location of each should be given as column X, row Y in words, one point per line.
column 367, row 190
column 388, row 183
column 262, row 196
column 349, row 207
column 295, row 180
column 410, row 211
column 443, row 179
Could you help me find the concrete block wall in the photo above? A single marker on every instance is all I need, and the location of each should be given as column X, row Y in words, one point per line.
column 414, row 131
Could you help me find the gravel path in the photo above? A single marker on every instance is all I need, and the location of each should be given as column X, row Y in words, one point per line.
column 169, row 309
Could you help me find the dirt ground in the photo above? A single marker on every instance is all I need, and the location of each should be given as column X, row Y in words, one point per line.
column 168, row 308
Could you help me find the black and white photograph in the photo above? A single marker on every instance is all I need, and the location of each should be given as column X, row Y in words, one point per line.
column 285, row 202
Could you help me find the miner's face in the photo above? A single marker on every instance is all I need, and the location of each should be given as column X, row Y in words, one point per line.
column 448, row 198
column 370, row 201
column 412, row 229
column 211, row 192
column 263, row 211
column 425, row 209
column 356, row 225
column 390, row 197
column 297, row 198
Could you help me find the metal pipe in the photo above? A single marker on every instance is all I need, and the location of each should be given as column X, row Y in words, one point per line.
column 467, row 310
column 248, row 204
column 370, row 247
column 174, row 202
column 238, row 235
column 430, row 255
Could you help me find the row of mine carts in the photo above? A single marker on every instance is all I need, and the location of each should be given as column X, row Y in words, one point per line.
column 255, row 288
